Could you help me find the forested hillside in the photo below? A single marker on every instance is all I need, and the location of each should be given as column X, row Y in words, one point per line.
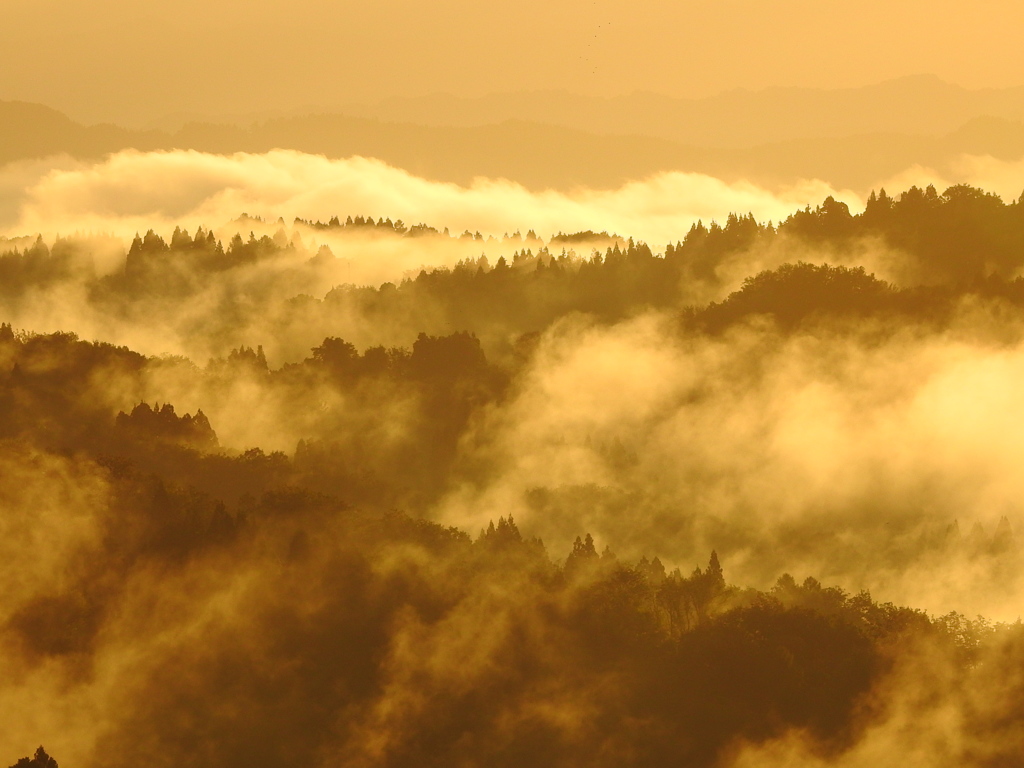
column 748, row 499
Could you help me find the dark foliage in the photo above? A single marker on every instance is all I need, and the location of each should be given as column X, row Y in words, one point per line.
column 286, row 608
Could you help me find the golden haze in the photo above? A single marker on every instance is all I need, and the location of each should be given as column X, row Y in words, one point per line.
column 511, row 414
column 135, row 61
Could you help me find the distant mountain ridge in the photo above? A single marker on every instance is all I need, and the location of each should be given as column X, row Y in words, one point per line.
column 918, row 105
column 536, row 154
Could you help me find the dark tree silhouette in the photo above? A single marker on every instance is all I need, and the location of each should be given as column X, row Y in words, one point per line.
column 39, row 760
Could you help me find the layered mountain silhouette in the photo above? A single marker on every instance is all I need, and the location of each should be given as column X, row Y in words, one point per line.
column 851, row 138
column 922, row 104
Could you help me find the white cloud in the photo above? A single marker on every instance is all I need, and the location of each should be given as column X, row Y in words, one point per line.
column 132, row 191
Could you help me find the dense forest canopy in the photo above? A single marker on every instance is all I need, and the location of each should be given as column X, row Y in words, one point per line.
column 277, row 285
column 737, row 501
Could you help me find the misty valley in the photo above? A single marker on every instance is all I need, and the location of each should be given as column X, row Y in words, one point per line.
column 749, row 499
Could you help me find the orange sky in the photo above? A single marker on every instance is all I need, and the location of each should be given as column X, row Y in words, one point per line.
column 132, row 60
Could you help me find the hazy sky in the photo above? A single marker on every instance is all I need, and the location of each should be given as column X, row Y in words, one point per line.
column 132, row 60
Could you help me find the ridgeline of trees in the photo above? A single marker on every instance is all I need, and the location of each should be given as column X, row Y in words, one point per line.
column 938, row 247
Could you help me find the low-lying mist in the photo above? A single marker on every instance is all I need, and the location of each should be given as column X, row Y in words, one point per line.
column 872, row 457
column 134, row 191
column 309, row 488
column 131, row 191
